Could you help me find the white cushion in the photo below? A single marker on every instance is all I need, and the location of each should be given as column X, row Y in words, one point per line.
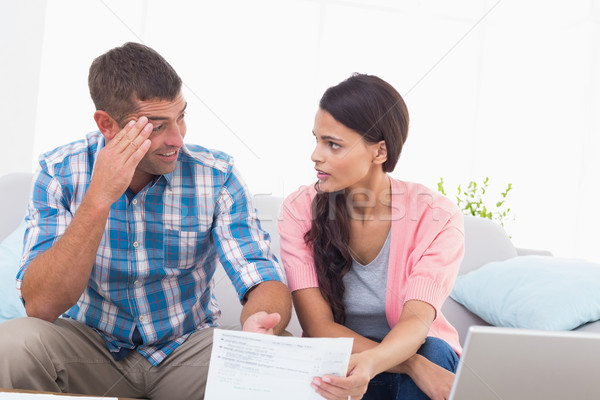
column 485, row 241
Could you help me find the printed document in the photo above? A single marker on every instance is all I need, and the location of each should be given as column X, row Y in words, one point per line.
column 253, row 366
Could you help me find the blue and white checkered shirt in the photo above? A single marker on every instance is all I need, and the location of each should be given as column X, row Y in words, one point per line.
column 159, row 251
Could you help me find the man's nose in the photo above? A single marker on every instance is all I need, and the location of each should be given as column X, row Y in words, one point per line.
column 175, row 136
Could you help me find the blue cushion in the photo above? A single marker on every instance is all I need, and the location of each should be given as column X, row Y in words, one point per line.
column 532, row 292
column 10, row 254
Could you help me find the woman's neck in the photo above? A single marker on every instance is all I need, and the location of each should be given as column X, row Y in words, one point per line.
column 368, row 201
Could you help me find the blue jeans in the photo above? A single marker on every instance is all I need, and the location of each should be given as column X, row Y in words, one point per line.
column 388, row 386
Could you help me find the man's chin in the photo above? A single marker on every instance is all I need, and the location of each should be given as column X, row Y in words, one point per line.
column 167, row 171
column 157, row 170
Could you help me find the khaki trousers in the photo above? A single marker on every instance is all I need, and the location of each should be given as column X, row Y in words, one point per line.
column 68, row 356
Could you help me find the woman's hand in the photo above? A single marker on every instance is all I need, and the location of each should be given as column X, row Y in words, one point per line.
column 433, row 380
column 353, row 386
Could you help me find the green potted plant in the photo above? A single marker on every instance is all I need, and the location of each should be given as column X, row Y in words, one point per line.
column 472, row 200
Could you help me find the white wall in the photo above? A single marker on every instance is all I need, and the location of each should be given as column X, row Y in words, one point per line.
column 21, row 33
column 504, row 89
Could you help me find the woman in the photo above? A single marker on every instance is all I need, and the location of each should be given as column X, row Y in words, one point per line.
column 371, row 257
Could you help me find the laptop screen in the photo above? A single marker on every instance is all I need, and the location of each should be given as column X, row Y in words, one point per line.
column 513, row 364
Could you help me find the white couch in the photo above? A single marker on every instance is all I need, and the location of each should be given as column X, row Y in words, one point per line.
column 485, row 242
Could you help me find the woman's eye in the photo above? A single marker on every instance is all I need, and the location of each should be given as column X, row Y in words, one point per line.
column 334, row 146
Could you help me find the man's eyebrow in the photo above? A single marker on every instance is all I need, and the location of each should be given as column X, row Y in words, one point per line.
column 151, row 118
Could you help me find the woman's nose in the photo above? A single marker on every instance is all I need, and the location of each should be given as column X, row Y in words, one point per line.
column 316, row 155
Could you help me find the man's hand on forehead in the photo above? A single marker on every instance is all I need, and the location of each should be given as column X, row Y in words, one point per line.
column 134, row 131
column 117, row 161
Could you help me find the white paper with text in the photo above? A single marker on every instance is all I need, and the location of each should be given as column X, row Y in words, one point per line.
column 251, row 366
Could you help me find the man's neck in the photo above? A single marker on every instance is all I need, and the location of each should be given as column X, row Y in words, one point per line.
column 139, row 182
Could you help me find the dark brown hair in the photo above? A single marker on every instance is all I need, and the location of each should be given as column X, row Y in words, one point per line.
column 128, row 73
column 372, row 107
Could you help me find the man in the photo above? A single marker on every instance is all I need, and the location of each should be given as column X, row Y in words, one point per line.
column 124, row 233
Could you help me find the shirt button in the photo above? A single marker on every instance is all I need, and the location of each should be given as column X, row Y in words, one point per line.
column 135, row 244
column 134, row 201
column 136, row 283
column 142, row 318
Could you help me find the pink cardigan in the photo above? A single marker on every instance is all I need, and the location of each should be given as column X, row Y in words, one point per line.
column 427, row 247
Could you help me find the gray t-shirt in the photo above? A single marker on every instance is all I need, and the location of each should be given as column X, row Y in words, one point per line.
column 364, row 297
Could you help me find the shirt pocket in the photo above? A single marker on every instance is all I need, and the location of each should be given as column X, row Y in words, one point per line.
column 180, row 249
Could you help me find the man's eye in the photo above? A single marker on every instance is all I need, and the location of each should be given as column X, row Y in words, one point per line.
column 157, row 128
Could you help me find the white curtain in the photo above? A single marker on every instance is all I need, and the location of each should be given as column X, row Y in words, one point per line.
column 502, row 89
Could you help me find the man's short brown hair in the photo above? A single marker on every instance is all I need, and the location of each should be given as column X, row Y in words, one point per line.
column 123, row 75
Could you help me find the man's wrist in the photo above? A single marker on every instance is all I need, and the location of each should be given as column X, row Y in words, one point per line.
column 95, row 202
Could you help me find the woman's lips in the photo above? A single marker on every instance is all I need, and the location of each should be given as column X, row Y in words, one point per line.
column 322, row 175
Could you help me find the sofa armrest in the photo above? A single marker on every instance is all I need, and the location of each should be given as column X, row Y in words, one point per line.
column 593, row 327
column 532, row 252
column 460, row 318
column 16, row 190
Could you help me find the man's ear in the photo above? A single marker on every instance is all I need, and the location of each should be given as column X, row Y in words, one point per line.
column 106, row 124
column 380, row 153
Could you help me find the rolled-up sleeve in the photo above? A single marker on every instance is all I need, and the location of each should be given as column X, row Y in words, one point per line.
column 46, row 220
column 242, row 245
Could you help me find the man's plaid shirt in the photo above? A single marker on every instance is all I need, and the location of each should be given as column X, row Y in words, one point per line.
column 155, row 263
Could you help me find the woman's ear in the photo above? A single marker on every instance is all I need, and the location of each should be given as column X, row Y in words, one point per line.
column 106, row 124
column 380, row 153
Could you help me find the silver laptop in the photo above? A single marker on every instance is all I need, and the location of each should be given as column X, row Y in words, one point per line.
column 515, row 364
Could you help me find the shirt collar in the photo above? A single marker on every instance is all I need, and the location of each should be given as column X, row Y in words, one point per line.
column 168, row 177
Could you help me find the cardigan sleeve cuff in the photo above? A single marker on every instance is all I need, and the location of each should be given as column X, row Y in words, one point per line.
column 304, row 277
column 428, row 291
